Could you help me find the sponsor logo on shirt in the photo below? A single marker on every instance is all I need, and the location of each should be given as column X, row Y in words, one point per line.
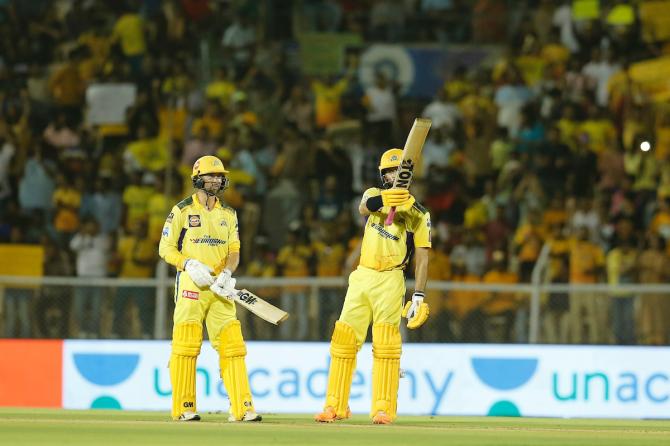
column 193, row 295
column 169, row 217
column 208, row 240
column 166, row 231
column 193, row 221
column 224, row 223
column 384, row 233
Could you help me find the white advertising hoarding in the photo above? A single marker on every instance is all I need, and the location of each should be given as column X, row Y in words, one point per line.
column 439, row 379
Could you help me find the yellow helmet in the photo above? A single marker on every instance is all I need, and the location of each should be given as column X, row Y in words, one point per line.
column 207, row 164
column 391, row 158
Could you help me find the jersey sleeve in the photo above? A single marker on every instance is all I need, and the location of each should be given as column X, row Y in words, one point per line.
column 168, row 248
column 369, row 193
column 233, row 236
column 422, row 231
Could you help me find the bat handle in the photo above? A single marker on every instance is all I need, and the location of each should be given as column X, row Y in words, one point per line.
column 389, row 217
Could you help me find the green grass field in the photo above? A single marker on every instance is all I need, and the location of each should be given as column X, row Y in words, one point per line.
column 71, row 427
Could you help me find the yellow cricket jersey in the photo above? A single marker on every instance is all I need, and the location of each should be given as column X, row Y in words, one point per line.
column 385, row 248
column 193, row 232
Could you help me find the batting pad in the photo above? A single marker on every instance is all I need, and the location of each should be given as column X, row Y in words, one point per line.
column 186, row 342
column 386, row 349
column 343, row 351
column 234, row 370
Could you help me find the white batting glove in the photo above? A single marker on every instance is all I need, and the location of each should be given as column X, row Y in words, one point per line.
column 199, row 273
column 224, row 278
column 224, row 292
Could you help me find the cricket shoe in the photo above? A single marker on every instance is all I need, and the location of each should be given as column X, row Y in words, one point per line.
column 248, row 416
column 329, row 415
column 381, row 417
column 189, row 416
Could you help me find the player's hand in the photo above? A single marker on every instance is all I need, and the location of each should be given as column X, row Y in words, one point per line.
column 407, row 205
column 416, row 311
column 226, row 293
column 199, row 273
column 394, row 197
column 224, row 278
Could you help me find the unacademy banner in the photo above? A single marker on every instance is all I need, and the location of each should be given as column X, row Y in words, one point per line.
column 439, row 379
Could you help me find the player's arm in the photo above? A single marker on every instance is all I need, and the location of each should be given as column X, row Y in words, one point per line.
column 225, row 284
column 416, row 311
column 168, row 247
column 421, row 257
column 232, row 262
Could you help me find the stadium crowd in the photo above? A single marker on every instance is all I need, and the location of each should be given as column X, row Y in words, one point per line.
column 554, row 141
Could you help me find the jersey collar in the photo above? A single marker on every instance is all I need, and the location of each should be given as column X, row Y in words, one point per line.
column 197, row 203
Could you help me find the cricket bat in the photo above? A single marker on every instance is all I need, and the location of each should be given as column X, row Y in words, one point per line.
column 410, row 156
column 259, row 307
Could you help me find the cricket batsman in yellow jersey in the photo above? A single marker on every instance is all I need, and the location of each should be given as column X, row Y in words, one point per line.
column 375, row 294
column 200, row 237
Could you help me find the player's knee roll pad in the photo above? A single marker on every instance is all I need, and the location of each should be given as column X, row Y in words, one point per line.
column 186, row 342
column 343, row 349
column 232, row 351
column 386, row 351
column 187, row 339
column 231, row 342
column 343, row 342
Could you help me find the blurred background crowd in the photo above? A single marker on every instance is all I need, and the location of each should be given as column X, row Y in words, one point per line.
column 559, row 133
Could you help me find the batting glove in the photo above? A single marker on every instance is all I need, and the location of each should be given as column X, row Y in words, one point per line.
column 224, row 292
column 416, row 311
column 199, row 273
column 394, row 197
column 407, row 205
column 223, row 279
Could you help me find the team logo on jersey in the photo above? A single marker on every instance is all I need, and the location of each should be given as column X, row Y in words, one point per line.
column 193, row 295
column 194, row 221
column 394, row 158
column 169, row 217
column 166, row 231
column 224, row 223
column 208, row 240
column 384, row 233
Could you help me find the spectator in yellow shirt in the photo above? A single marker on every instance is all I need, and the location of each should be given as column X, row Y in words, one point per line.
column 502, row 304
column 211, row 118
column 439, row 268
column 222, row 87
column 133, row 314
column 294, row 261
column 587, row 262
column 67, row 201
column 329, row 255
column 262, row 265
column 135, row 201
column 328, row 100
column 158, row 207
column 129, row 33
column 465, row 307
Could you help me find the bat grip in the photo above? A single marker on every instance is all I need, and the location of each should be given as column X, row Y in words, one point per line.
column 389, row 217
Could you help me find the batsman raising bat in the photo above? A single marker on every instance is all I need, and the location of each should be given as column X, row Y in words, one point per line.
column 375, row 294
column 200, row 234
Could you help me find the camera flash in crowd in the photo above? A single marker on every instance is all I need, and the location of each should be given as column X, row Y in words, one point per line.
column 645, row 146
